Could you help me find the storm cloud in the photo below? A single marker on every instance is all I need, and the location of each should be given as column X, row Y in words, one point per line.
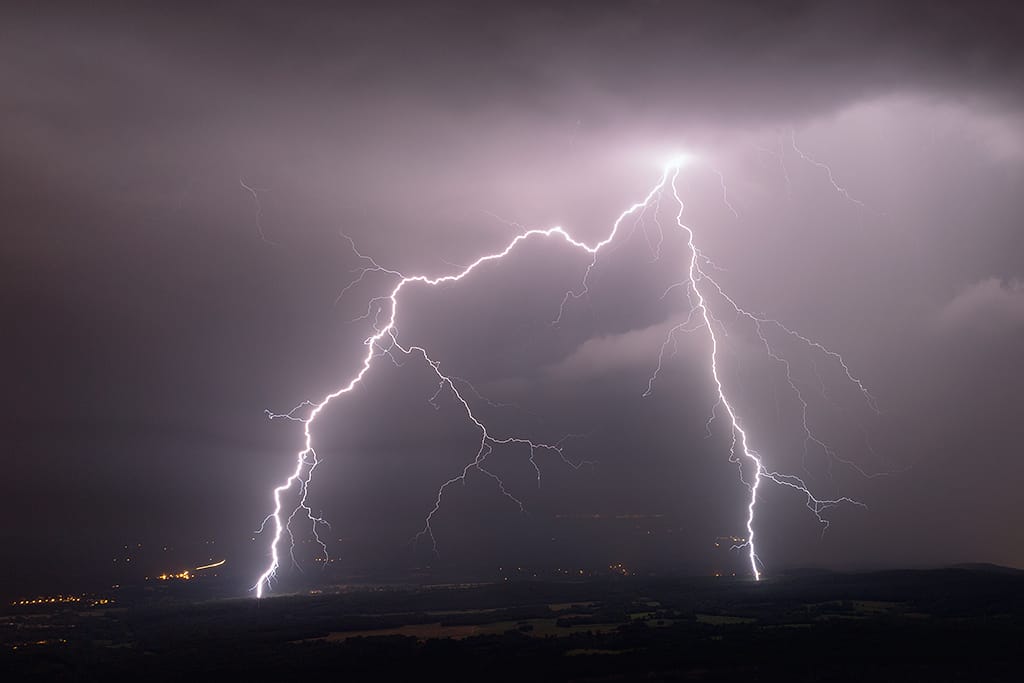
column 148, row 325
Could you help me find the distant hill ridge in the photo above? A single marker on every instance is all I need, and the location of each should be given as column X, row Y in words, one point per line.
column 987, row 567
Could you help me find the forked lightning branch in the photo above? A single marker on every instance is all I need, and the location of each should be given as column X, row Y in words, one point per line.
column 708, row 303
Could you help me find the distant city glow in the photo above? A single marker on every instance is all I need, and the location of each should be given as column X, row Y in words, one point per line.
column 187, row 574
column 61, row 600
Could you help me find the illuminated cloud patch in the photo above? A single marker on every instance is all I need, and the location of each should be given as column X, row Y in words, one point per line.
column 992, row 301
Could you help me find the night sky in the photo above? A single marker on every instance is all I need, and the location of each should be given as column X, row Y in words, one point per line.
column 153, row 307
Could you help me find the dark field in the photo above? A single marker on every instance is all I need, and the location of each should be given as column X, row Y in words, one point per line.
column 952, row 624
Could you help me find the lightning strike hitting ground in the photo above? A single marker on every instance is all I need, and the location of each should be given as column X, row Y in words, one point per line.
column 700, row 288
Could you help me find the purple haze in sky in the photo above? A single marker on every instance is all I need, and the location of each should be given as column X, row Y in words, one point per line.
column 148, row 322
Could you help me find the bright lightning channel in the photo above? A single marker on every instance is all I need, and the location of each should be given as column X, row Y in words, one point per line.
column 699, row 285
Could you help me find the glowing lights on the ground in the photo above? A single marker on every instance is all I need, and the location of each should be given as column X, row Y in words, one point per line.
column 41, row 643
column 188, row 574
column 62, row 600
column 49, row 600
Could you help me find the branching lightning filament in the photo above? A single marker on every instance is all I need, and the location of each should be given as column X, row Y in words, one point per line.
column 708, row 301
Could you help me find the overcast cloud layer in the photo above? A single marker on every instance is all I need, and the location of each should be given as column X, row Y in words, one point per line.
column 154, row 306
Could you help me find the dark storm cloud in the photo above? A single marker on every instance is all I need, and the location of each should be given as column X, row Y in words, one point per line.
column 251, row 83
column 149, row 325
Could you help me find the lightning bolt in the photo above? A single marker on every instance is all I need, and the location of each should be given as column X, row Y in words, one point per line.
column 255, row 192
column 828, row 171
column 700, row 287
column 385, row 342
column 725, row 194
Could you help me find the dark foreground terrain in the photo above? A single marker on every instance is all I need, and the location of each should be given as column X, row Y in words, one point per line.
column 954, row 624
